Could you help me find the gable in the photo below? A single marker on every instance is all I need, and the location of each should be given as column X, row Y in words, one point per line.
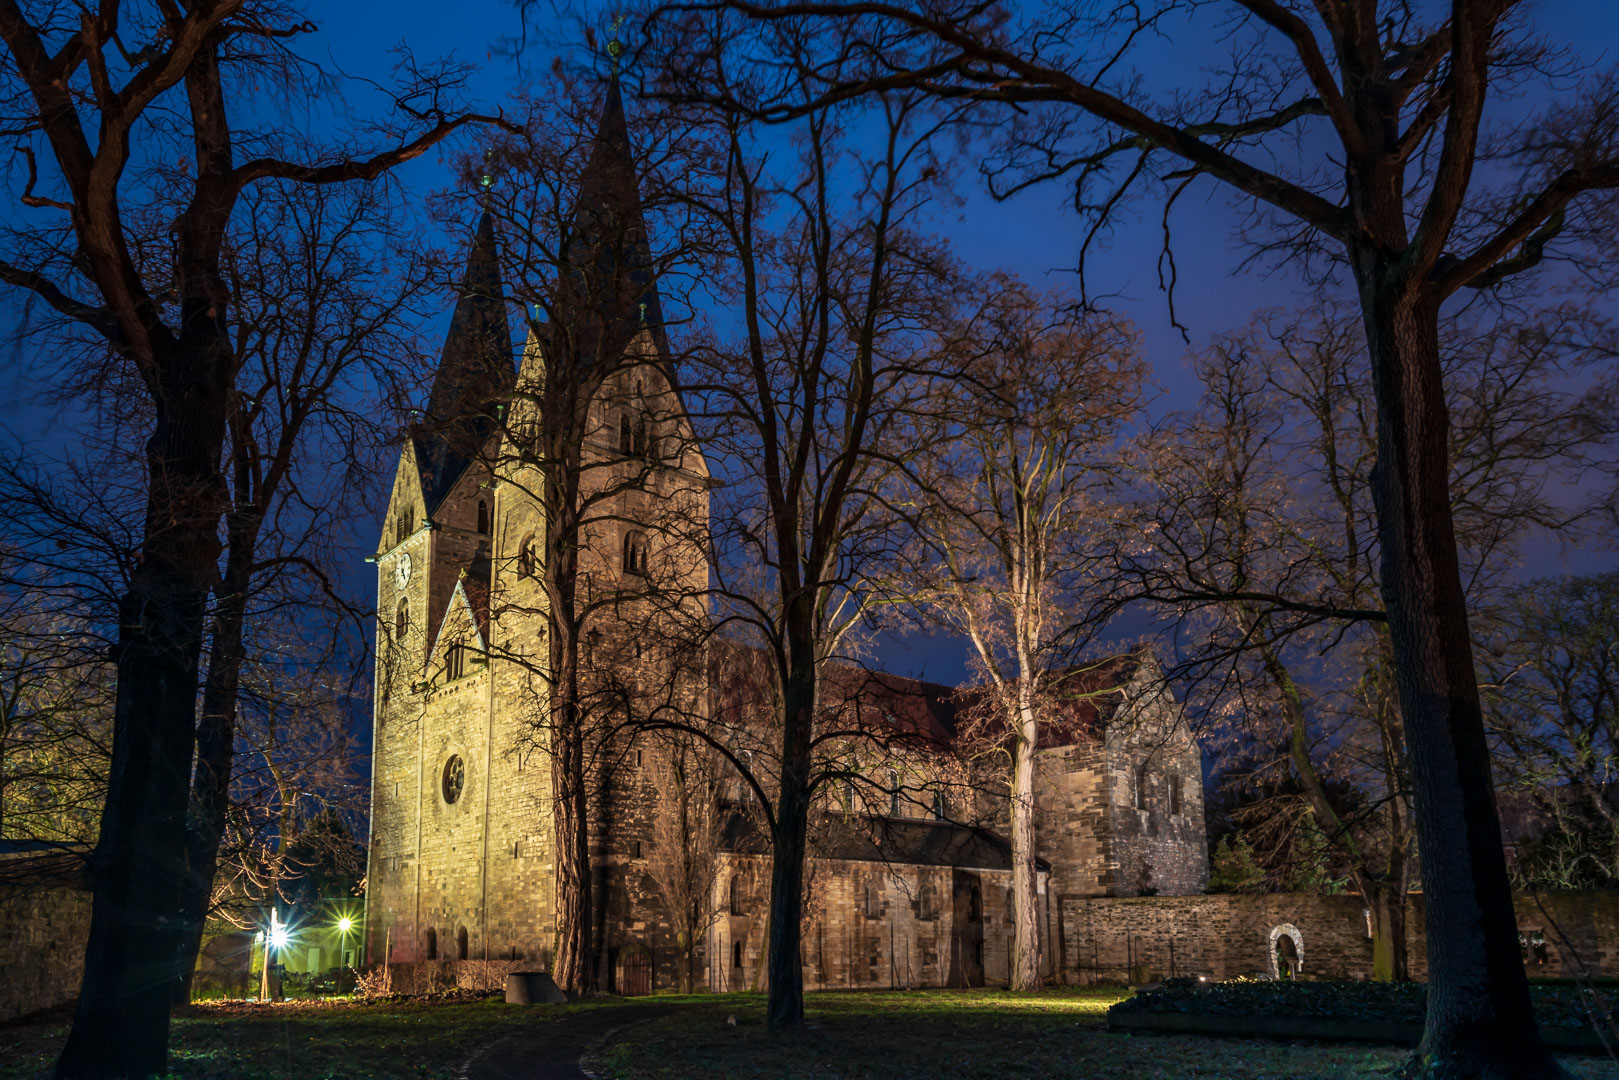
column 406, row 500
column 465, row 623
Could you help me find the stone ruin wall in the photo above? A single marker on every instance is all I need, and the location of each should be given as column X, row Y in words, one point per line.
column 1137, row 940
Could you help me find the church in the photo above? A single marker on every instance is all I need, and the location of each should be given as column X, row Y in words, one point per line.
column 910, row 870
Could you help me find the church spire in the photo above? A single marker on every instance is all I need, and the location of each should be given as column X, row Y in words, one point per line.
column 609, row 250
column 475, row 371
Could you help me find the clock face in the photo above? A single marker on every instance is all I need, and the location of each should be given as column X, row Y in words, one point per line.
column 402, row 570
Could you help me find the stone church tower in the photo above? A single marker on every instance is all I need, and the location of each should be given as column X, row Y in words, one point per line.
column 912, row 889
column 461, row 862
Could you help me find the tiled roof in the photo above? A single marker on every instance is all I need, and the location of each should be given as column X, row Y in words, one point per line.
column 908, row 841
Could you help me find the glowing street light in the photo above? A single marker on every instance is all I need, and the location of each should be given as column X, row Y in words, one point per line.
column 345, row 924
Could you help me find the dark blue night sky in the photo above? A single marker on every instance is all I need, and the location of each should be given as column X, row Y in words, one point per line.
column 1034, row 235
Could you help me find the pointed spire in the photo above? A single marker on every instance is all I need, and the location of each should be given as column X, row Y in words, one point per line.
column 475, row 371
column 610, row 251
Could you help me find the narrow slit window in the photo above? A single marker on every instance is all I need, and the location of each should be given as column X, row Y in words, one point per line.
column 635, row 553
column 525, row 557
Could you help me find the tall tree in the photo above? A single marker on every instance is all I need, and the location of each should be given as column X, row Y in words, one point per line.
column 1019, row 455
column 55, row 723
column 684, row 861
column 1552, row 655
column 98, row 96
column 325, row 282
column 823, row 261
column 1355, row 131
column 1257, row 534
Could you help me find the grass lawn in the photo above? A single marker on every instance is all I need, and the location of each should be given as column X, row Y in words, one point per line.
column 965, row 1035
column 941, row 1033
column 337, row 1040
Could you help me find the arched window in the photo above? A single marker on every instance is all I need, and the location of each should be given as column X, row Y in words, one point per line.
column 461, row 944
column 404, row 525
column 634, row 430
column 736, row 955
column 483, row 517
column 735, row 897
column 525, row 557
column 634, row 435
column 402, row 620
column 455, row 661
column 1175, row 794
column 1140, row 793
column 432, row 943
column 927, row 902
column 893, row 793
column 938, row 804
column 874, row 902
column 635, row 553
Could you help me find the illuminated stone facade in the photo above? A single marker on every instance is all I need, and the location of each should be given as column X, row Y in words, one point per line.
column 462, row 863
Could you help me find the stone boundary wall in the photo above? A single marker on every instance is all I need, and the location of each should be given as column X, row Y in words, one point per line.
column 44, row 923
column 1142, row 939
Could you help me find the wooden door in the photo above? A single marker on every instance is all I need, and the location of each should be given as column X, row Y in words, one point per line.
column 637, row 974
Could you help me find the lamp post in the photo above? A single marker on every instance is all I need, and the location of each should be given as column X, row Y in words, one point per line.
column 274, row 941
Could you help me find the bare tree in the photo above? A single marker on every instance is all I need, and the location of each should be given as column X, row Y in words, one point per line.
column 686, row 835
column 55, row 724
column 320, row 336
column 1553, row 692
column 100, row 95
column 1019, row 452
column 823, row 260
column 1398, row 198
column 1258, row 535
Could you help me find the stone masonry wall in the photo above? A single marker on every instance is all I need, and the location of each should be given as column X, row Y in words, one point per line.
column 1155, row 782
column 921, row 927
column 42, row 935
column 1115, row 939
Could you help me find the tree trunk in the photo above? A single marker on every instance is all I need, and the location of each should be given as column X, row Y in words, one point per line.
column 572, row 967
column 1386, row 901
column 1479, row 1022
column 1025, row 967
column 138, row 868
column 785, row 1008
column 216, row 745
